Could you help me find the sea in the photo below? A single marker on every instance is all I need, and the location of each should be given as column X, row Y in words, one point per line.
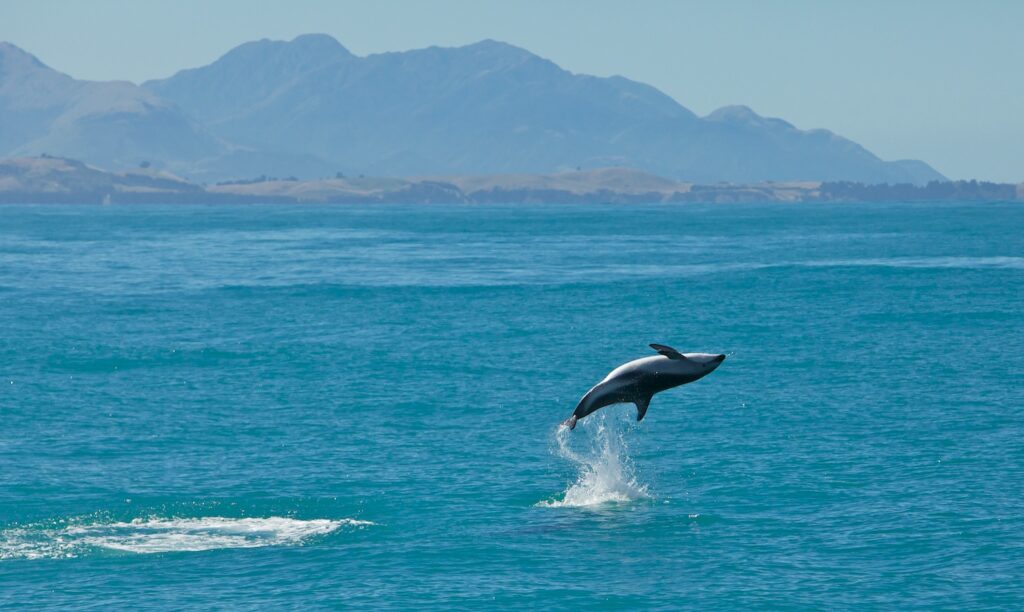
column 333, row 406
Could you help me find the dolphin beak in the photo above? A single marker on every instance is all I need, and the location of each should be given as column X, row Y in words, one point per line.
column 719, row 359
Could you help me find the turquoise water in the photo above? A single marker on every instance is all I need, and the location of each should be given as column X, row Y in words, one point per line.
column 254, row 406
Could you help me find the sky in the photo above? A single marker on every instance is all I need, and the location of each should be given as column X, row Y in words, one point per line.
column 934, row 80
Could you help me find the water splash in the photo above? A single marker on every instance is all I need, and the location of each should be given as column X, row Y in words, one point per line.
column 606, row 472
column 161, row 535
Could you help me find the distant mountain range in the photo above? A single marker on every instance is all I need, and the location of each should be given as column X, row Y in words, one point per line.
column 309, row 108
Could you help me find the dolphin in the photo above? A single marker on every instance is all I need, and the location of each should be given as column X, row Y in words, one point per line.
column 635, row 382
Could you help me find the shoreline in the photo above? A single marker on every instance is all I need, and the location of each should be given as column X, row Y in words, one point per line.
column 52, row 180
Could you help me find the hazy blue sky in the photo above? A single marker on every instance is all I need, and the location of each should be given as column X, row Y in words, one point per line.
column 939, row 81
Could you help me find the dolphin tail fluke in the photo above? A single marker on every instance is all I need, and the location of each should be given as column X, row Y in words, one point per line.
column 570, row 422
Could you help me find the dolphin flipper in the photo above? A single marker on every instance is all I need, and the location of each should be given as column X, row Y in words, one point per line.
column 667, row 351
column 641, row 407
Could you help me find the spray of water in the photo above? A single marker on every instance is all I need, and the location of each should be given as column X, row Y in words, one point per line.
column 73, row 538
column 605, row 472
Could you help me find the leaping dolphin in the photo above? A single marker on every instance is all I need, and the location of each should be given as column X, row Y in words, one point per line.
column 635, row 382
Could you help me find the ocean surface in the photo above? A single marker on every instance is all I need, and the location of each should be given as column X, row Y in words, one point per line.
column 327, row 406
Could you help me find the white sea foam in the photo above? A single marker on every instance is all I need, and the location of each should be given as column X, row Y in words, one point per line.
column 162, row 535
column 606, row 474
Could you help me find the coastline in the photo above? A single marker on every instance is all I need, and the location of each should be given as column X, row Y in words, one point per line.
column 53, row 180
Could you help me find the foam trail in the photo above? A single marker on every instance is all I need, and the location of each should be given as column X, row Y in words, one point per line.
column 161, row 535
column 606, row 474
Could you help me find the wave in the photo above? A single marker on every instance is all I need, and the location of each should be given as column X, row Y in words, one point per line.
column 510, row 273
column 606, row 473
column 967, row 263
column 162, row 535
column 941, row 262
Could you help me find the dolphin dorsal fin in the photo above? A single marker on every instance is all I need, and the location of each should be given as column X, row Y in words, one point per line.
column 668, row 351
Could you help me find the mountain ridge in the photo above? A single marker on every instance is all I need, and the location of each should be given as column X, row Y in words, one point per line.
column 111, row 123
column 310, row 107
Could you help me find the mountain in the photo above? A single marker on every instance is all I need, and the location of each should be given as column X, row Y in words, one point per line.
column 744, row 143
column 249, row 76
column 115, row 124
column 309, row 108
column 491, row 107
column 487, row 107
